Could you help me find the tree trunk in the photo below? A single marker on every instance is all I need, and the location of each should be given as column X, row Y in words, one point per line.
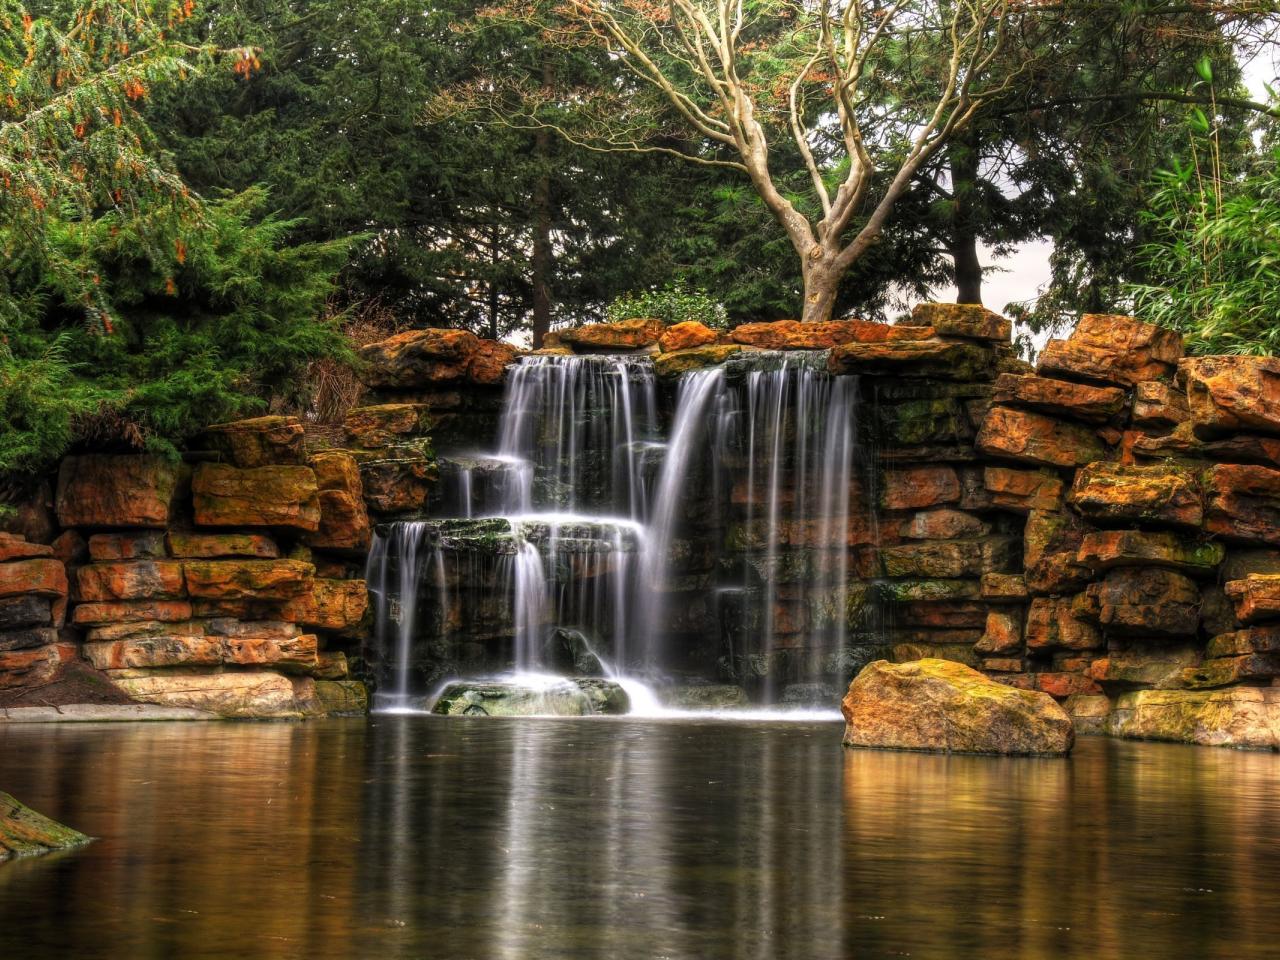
column 493, row 283
column 963, row 157
column 821, row 283
column 542, row 256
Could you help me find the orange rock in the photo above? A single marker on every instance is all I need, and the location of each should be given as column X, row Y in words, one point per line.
column 417, row 358
column 1053, row 623
column 1159, row 404
column 131, row 580
column 278, row 496
column 247, row 579
column 1258, row 639
column 397, row 485
column 943, row 359
column 962, row 320
column 488, row 365
column 206, row 545
column 946, row 614
column 126, row 546
column 1050, row 544
column 70, row 548
column 42, row 576
column 101, row 614
column 1003, row 664
column 944, row 524
column 15, row 547
column 1155, row 494
column 262, row 651
column 249, row 694
column 260, row 441
column 27, row 668
column 386, row 424
column 1113, row 349
column 344, row 522
column 109, row 490
column 1143, row 602
column 911, row 488
column 1037, row 439
column 1063, row 685
column 1061, row 397
column 154, row 651
column 1106, row 549
column 1256, row 597
column 1003, row 587
column 623, row 335
column 808, row 335
column 1182, row 442
column 1230, row 394
column 682, row 336
column 1023, row 490
column 1003, row 633
column 1244, row 503
column 336, row 605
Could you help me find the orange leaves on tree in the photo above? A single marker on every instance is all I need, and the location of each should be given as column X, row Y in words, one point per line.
column 180, row 250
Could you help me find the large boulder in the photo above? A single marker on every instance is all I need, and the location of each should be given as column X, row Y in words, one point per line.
column 1037, row 439
column 1113, row 349
column 970, row 320
column 260, row 441
column 560, row 697
column 344, row 521
column 1080, row 401
column 1234, row 717
column 417, row 358
column 622, row 335
column 945, row 706
column 1230, row 394
column 943, row 359
column 1244, row 503
column 278, row 496
column 686, row 334
column 25, row 833
column 116, row 490
column 1109, row 492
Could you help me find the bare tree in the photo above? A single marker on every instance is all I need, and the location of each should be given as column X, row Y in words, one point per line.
column 739, row 76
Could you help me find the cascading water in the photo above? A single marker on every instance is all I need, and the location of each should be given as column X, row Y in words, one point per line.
column 584, row 542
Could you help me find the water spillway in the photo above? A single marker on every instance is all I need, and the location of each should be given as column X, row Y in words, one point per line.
column 701, row 532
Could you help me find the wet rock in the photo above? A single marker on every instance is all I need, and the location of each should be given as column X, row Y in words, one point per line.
column 570, row 697
column 924, row 422
column 34, row 666
column 943, row 359
column 1144, row 602
column 386, row 424
column 911, row 488
column 282, row 496
column 1109, row 492
column 1159, row 404
column 798, row 335
column 944, row 524
column 488, row 365
column 418, row 358
column 1106, row 549
column 342, row 698
column 1003, row 587
column 1233, row 394
column 396, row 486
column 259, row 442
column 131, row 580
column 344, row 521
column 1054, row 623
column 109, row 490
column 1246, row 717
column 1003, row 633
column 938, row 705
column 1023, row 490
column 1059, row 397
column 16, row 547
column 339, row 606
column 962, row 320
column 810, row 696
column 1225, row 671
column 668, row 366
column 1113, row 349
column 207, row 545
column 1089, row 713
column 1244, row 503
column 25, row 833
column 567, row 651
column 148, row 545
column 247, row 694
column 253, row 579
column 686, row 334
column 708, row 696
column 1037, row 439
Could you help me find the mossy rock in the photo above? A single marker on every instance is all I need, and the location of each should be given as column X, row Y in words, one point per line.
column 25, row 833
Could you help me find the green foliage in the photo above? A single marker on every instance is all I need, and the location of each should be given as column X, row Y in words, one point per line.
column 1214, row 258
column 673, row 303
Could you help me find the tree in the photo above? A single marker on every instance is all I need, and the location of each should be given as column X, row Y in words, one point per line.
column 741, row 77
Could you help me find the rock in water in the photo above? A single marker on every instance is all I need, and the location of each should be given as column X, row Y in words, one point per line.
column 940, row 705
column 23, row 832
column 533, row 697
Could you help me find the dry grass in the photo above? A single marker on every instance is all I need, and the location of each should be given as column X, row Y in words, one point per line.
column 333, row 387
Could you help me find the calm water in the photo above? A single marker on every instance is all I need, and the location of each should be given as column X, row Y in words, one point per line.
column 482, row 838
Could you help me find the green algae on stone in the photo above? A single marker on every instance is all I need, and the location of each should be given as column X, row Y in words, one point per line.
column 678, row 362
column 25, row 833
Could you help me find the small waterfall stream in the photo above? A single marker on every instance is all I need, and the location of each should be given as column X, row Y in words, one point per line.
column 586, row 544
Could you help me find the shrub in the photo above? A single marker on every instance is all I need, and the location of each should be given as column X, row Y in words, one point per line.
column 671, row 304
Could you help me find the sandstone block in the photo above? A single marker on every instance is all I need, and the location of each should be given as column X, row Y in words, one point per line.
column 248, row 579
column 259, row 442
column 1244, row 503
column 942, row 359
column 148, row 545
column 17, row 547
column 686, row 334
column 1051, row 543
column 939, row 705
column 1037, row 439
column 1258, row 639
column 622, row 335
column 1145, row 602
column 1233, row 394
column 386, row 424
column 797, row 335
column 1003, row 633
column 126, row 611
column 488, row 365
column 1053, row 623
column 342, row 698
column 1225, row 671
column 962, row 320
column 27, row 638
column 278, row 496
column 911, row 488
column 1159, row 404
column 1059, row 397
column 1156, row 665
column 1023, row 490
column 1182, row 443
column 1113, row 349
column 668, row 366
column 42, row 576
column 344, row 522
column 944, row 524
column 397, row 486
column 417, row 358
column 131, row 580
column 205, row 545
column 1106, row 549
column 26, row 668
column 1235, row 717
column 250, row 694
column 339, row 606
column 1108, row 492
column 1003, row 587
column 116, row 490
column 25, row 610
column 1088, row 712
column 1061, row 685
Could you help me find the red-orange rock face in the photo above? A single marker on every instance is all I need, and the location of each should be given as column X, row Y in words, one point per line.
column 260, row 441
column 127, row 611
column 803, row 335
column 1113, row 349
column 42, row 576
column 684, row 335
column 344, row 522
column 488, row 365
column 623, row 335
column 15, row 547
column 1244, row 503
column 131, row 580
column 248, row 579
column 1159, row 404
column 1063, row 685
column 283, row 496
column 418, row 358
column 1023, row 490
column 24, row 668
column 1054, row 623
column 1256, row 597
column 914, row 487
column 1079, row 401
column 962, row 320
column 1106, row 549
column 386, row 424
column 126, row 546
column 1144, row 602
column 104, row 490
column 1228, row 394
column 397, row 485
column 1038, row 439
column 1155, row 494
column 336, row 605
column 1003, row 633
column 943, row 359
column 206, row 545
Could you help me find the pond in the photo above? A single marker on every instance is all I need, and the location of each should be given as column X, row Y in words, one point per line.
column 411, row 836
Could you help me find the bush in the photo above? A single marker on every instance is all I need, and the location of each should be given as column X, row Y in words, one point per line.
column 672, row 304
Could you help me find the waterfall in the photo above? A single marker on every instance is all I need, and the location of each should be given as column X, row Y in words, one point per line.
column 583, row 527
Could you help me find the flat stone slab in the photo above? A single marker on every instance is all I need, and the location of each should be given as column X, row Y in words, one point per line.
column 101, row 713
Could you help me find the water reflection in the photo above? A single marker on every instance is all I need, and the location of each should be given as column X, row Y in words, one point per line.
column 417, row 837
